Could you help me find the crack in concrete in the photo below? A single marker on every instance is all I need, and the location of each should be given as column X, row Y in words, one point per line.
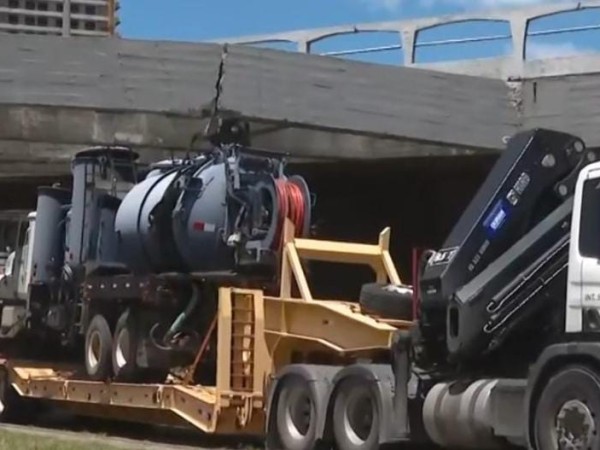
column 216, row 101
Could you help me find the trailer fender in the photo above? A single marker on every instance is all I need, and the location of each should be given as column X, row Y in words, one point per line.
column 320, row 379
column 382, row 378
column 550, row 360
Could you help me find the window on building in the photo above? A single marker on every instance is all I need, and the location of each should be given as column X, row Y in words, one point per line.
column 74, row 24
column 59, row 7
column 13, row 3
column 42, row 21
column 43, row 6
column 75, row 9
column 90, row 10
column 30, row 21
column 90, row 26
column 30, row 5
column 13, row 19
column 59, row 23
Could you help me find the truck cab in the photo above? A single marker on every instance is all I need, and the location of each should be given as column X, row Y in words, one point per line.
column 14, row 282
column 583, row 287
column 519, row 332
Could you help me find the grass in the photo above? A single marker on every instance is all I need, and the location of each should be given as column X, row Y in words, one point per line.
column 10, row 440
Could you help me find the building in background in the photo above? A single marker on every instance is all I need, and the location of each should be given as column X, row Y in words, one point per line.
column 59, row 17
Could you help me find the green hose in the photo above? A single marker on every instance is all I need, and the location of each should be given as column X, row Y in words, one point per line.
column 178, row 323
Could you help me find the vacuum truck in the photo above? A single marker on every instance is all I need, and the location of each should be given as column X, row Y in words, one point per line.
column 185, row 290
column 130, row 251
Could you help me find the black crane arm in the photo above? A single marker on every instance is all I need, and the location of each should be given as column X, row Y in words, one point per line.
column 531, row 180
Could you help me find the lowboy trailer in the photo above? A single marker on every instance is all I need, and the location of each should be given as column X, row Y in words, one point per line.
column 258, row 338
column 494, row 344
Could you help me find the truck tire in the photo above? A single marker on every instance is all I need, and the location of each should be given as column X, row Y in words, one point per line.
column 387, row 300
column 124, row 352
column 98, row 345
column 296, row 414
column 356, row 416
column 124, row 348
column 569, row 404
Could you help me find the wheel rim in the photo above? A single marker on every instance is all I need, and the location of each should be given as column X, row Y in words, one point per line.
column 359, row 418
column 94, row 350
column 575, row 426
column 298, row 413
column 122, row 348
column 3, row 389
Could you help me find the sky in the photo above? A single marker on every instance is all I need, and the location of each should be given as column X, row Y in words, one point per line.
column 203, row 20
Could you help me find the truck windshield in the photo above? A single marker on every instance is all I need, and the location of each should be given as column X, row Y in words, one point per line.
column 589, row 231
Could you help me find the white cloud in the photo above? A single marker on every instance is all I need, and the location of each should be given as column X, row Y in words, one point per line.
column 500, row 3
column 396, row 5
column 388, row 5
column 543, row 51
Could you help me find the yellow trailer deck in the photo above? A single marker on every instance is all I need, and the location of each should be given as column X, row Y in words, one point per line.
column 257, row 337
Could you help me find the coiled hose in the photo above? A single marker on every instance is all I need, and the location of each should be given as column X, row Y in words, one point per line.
column 291, row 205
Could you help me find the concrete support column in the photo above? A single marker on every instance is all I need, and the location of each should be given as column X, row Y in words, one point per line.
column 409, row 38
column 66, row 28
column 304, row 46
column 518, row 26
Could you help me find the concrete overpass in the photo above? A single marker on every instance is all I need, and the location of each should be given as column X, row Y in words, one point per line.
column 59, row 94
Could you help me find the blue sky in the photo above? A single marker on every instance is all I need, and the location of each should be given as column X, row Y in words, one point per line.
column 201, row 20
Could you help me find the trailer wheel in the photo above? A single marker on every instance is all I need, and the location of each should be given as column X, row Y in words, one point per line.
column 98, row 344
column 566, row 415
column 296, row 414
column 356, row 416
column 388, row 300
column 124, row 348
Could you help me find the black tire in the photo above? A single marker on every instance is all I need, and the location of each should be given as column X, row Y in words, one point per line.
column 387, row 300
column 574, row 390
column 124, row 354
column 98, row 345
column 356, row 416
column 124, row 348
column 294, row 401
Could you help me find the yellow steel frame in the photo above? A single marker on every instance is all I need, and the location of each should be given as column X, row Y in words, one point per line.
column 257, row 335
column 295, row 249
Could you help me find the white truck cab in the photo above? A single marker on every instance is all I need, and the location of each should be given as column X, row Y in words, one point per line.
column 16, row 278
column 27, row 258
column 583, row 288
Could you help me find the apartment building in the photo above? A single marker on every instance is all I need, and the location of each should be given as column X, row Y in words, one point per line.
column 59, row 17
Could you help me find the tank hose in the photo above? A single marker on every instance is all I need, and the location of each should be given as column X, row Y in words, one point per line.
column 176, row 326
column 291, row 205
